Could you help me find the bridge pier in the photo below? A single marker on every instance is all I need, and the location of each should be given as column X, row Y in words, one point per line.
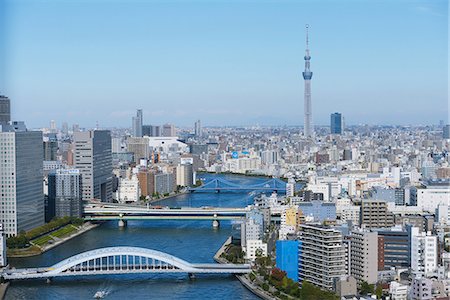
column 122, row 223
column 216, row 224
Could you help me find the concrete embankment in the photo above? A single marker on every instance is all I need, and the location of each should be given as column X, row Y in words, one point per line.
column 3, row 289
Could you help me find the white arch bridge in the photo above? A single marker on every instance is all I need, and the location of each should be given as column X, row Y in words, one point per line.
column 122, row 260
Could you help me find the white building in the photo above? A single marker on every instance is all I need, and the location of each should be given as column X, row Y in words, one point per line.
column 3, row 260
column 185, row 175
column 431, row 194
column 128, row 190
column 351, row 213
column 423, row 252
column 255, row 248
column 364, row 256
column 290, row 187
column 398, row 291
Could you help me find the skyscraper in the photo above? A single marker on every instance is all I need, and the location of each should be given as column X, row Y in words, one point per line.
column 336, row 123
column 21, row 171
column 137, row 124
column 308, row 129
column 94, row 160
column 198, row 129
column 5, row 110
column 64, row 193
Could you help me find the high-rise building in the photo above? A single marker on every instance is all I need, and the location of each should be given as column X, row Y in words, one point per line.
column 21, row 175
column 64, row 194
column 137, row 124
column 94, row 160
column 364, row 256
column 5, row 110
column 185, row 175
column 50, row 149
column 375, row 214
column 308, row 129
column 446, row 132
column 139, row 146
column 424, row 252
column 198, row 128
column 287, row 257
column 336, row 123
column 321, row 255
column 168, row 130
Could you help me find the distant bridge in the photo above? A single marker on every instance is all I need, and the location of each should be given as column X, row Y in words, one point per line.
column 122, row 260
column 219, row 185
column 123, row 213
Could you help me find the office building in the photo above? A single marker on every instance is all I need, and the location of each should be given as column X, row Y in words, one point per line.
column 168, row 130
column 375, row 214
column 128, row 190
column 431, row 194
column 308, row 128
column 147, row 130
column 336, row 123
column 21, row 181
column 318, row 211
column 164, row 183
column 185, row 175
column 321, row 255
column 446, row 132
column 198, row 128
column 64, row 194
column 94, row 160
column 139, row 146
column 50, row 149
column 137, row 124
column 364, row 256
column 5, row 110
column 287, row 257
column 424, row 252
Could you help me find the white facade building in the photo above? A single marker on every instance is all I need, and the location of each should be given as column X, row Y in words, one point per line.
column 423, row 252
column 255, row 248
column 398, row 291
column 128, row 190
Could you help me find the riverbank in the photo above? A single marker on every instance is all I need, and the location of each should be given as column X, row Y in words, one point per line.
column 243, row 279
column 3, row 289
column 37, row 250
column 168, row 197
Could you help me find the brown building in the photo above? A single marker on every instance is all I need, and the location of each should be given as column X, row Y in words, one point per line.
column 380, row 253
column 146, row 182
column 374, row 214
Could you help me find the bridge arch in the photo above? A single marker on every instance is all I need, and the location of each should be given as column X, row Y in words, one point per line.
column 86, row 258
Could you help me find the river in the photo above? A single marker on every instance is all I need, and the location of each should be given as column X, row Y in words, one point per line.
column 194, row 241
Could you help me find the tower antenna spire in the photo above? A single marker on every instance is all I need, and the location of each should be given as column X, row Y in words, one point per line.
column 307, row 36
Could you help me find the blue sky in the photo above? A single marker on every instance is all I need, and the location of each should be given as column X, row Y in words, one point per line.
column 224, row 62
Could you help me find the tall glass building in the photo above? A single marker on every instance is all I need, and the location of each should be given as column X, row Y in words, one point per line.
column 21, row 187
column 336, row 123
column 287, row 257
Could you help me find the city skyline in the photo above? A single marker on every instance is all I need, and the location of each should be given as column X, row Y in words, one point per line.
column 210, row 63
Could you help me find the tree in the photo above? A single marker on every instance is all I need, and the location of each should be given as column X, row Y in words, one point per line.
column 366, row 288
column 379, row 291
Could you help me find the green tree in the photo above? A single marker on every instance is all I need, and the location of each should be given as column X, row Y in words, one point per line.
column 366, row 288
column 379, row 291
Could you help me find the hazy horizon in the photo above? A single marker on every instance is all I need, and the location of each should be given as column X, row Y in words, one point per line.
column 226, row 63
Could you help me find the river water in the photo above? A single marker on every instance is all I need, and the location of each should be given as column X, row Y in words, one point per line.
column 193, row 241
